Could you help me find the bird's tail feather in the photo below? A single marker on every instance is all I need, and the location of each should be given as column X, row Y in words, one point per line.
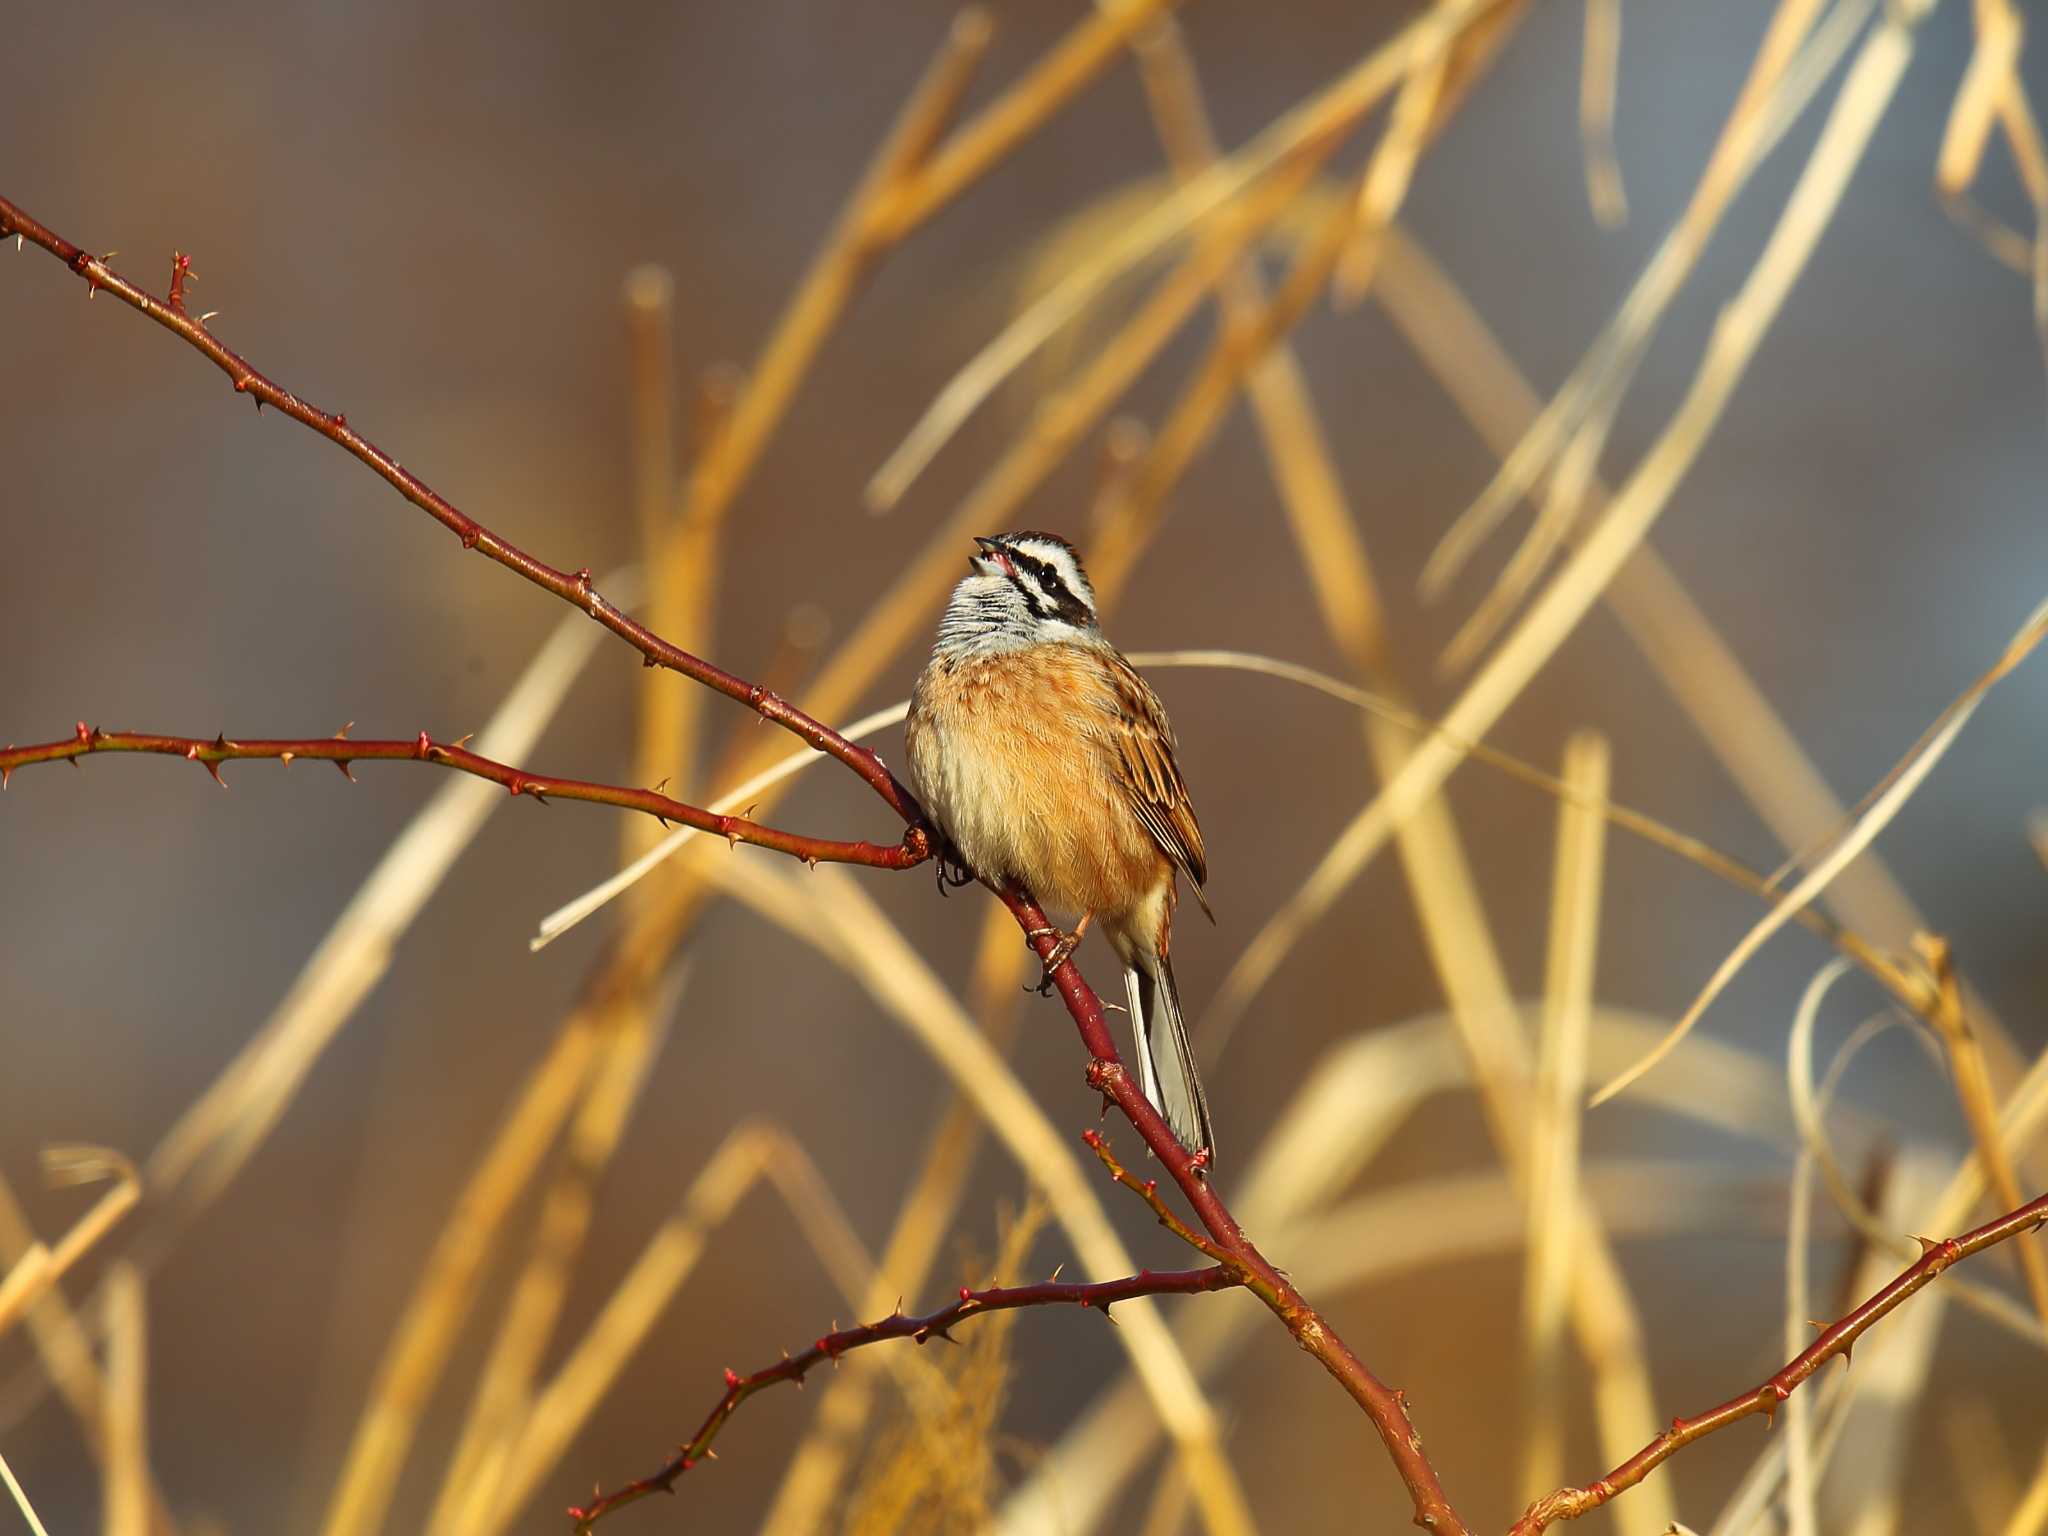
column 1166, row 1061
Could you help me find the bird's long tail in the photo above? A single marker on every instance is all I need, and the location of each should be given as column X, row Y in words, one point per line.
column 1166, row 1062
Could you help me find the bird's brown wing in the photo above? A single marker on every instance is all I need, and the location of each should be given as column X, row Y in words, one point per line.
column 1151, row 778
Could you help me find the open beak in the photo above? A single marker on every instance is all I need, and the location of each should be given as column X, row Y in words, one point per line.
column 991, row 561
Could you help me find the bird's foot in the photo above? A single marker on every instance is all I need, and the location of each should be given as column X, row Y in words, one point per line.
column 1065, row 945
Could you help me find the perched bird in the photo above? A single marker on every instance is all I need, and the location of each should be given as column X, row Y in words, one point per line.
column 1046, row 760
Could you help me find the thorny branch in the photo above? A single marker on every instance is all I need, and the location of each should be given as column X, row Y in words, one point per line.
column 339, row 750
column 1837, row 1338
column 1100, row 1295
column 573, row 587
column 1385, row 1407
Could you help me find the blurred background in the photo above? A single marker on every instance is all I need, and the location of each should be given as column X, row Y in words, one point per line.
column 423, row 216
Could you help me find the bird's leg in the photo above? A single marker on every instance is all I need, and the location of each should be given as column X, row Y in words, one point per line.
column 1066, row 945
column 951, row 868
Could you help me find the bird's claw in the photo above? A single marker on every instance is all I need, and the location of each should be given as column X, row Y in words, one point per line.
column 1055, row 958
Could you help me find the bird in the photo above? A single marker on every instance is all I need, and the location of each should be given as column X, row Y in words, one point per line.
column 1045, row 761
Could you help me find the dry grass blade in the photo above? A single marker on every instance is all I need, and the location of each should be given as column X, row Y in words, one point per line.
column 1977, row 1447
column 1742, row 142
column 20, row 1496
column 1352, row 1102
column 1569, row 442
column 2031, row 1517
column 751, row 1152
column 839, row 918
column 1972, row 1081
column 1993, row 94
column 1862, row 1493
column 1597, row 72
column 1807, row 1102
column 218, row 1133
column 1801, row 1469
column 1556, row 613
column 425, row 1335
column 569, row 914
column 40, row 1266
column 1329, row 114
column 939, row 177
column 1697, row 666
column 1899, row 786
column 1387, row 179
column 124, row 1475
column 1553, row 1198
column 527, row 1324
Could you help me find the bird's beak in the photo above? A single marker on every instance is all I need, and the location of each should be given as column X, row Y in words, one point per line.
column 991, row 561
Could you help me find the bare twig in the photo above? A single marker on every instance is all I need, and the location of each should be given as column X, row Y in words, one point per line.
column 1837, row 1338
column 341, row 751
column 1099, row 1295
column 573, row 587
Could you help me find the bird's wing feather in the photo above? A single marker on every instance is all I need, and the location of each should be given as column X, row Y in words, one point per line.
column 1150, row 776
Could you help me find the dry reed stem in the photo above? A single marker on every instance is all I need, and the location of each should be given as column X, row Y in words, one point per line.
column 1537, row 443
column 1334, row 557
column 1976, row 1445
column 1692, row 660
column 441, row 1298
column 840, row 918
column 40, row 1266
column 682, row 549
column 64, row 1350
column 1898, row 787
column 2031, row 1517
column 213, row 1139
column 1881, row 1408
column 751, row 1152
column 505, row 1386
column 1330, row 114
column 665, row 747
column 1801, row 1472
column 1836, row 1339
column 1572, row 434
column 1991, row 91
column 1598, row 70
column 1089, row 48
column 1808, row 1119
column 1352, row 1101
column 124, row 1474
column 1972, row 1082
column 1553, row 1180
column 21, row 1502
column 1553, row 616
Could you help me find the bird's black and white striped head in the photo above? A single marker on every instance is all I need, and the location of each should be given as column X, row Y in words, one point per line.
column 1027, row 589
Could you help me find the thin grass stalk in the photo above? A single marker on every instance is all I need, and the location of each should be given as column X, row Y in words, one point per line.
column 1330, row 114
column 1972, row 1082
column 1599, row 66
column 64, row 1350
column 840, row 918
column 1697, row 667
column 2030, row 1518
column 1553, row 1181
column 1981, row 1464
column 1898, row 787
column 505, row 1387
column 425, row 1335
column 751, row 1152
column 1554, row 615
column 1568, row 448
column 21, row 1501
column 1353, row 1101
column 124, row 1475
